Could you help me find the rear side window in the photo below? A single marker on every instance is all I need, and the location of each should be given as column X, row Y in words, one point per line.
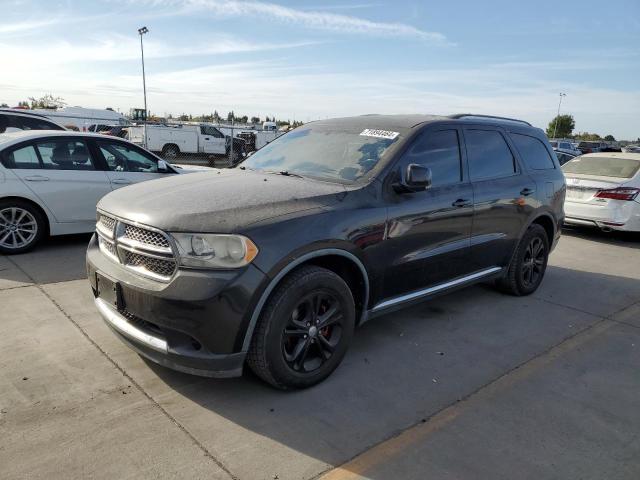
column 489, row 155
column 65, row 154
column 26, row 123
column 21, row 158
column 603, row 166
column 440, row 151
column 533, row 152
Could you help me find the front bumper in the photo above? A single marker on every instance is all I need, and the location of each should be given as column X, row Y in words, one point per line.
column 196, row 323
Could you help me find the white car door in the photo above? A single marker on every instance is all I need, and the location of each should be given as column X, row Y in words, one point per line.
column 61, row 172
column 213, row 140
column 128, row 164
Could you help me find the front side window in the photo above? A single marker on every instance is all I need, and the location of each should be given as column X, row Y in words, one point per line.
column 209, row 130
column 489, row 155
column 21, row 158
column 325, row 151
column 440, row 151
column 533, row 152
column 122, row 158
column 65, row 154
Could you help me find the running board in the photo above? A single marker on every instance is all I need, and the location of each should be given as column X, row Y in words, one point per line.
column 435, row 289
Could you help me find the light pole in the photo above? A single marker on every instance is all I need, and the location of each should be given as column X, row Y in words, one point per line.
column 142, row 31
column 555, row 127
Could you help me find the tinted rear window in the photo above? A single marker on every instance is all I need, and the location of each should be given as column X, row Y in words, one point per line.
column 533, row 152
column 489, row 154
column 602, row 166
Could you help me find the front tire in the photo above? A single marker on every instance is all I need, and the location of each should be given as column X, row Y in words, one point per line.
column 304, row 330
column 528, row 264
column 22, row 226
column 170, row 152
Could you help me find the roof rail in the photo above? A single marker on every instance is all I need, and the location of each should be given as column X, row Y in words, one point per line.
column 463, row 115
column 23, row 112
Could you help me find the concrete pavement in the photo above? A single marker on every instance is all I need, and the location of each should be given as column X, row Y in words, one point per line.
column 475, row 384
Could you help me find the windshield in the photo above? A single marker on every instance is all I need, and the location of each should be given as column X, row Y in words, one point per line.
column 602, row 166
column 325, row 152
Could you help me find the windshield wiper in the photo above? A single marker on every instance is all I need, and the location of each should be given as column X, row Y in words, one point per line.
column 285, row 173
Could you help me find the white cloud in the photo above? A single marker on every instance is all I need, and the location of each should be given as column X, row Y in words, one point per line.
column 311, row 19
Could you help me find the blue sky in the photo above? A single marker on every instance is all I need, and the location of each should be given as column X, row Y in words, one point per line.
column 310, row 59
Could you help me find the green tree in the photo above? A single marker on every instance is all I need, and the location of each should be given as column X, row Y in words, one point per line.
column 561, row 126
column 47, row 101
column 4, row 105
column 255, row 119
column 610, row 138
column 589, row 137
column 230, row 116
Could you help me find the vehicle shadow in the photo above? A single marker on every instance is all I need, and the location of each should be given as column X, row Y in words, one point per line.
column 622, row 239
column 402, row 368
column 55, row 259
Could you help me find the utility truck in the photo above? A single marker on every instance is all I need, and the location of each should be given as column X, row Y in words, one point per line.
column 195, row 139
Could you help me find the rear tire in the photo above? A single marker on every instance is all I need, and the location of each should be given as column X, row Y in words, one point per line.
column 528, row 265
column 304, row 329
column 170, row 152
column 22, row 226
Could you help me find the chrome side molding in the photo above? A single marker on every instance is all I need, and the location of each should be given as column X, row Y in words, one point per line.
column 436, row 288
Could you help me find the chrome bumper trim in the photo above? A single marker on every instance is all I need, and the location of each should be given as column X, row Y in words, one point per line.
column 120, row 323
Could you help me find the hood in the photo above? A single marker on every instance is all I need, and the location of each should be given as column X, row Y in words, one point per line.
column 218, row 201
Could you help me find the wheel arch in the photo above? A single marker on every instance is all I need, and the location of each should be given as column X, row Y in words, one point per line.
column 343, row 263
column 36, row 205
column 546, row 221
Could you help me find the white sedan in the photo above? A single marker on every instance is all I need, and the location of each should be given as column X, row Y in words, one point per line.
column 51, row 181
column 603, row 191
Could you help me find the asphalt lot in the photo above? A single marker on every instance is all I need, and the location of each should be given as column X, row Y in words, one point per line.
column 475, row 384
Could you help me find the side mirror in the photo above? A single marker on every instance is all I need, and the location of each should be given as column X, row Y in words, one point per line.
column 413, row 178
column 162, row 166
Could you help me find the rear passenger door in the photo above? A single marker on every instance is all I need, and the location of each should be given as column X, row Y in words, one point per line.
column 504, row 196
column 62, row 173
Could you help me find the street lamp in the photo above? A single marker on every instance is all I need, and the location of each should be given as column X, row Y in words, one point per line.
column 555, row 127
column 142, row 31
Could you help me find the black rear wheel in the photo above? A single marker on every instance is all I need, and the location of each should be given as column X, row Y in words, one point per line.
column 528, row 264
column 304, row 330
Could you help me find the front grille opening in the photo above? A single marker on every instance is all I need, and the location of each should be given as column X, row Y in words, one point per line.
column 107, row 222
column 107, row 246
column 149, row 327
column 147, row 237
column 161, row 267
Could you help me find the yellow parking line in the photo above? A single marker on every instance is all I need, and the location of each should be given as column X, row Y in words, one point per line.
column 393, row 447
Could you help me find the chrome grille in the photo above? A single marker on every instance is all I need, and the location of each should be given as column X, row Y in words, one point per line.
column 143, row 250
column 158, row 266
column 106, row 246
column 107, row 222
column 146, row 237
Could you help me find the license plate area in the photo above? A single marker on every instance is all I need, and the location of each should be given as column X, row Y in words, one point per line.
column 109, row 291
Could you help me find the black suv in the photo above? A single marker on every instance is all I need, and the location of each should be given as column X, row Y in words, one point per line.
column 274, row 263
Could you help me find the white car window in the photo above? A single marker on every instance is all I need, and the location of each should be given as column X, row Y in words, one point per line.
column 65, row 154
column 22, row 158
column 121, row 158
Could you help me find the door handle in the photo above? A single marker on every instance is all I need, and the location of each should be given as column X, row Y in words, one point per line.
column 461, row 202
column 121, row 181
column 527, row 191
column 206, row 138
column 36, row 178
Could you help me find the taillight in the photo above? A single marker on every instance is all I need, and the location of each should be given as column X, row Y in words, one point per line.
column 622, row 193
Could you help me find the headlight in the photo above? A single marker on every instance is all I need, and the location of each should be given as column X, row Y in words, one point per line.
column 206, row 250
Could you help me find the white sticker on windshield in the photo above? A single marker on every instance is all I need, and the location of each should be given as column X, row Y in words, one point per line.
column 370, row 132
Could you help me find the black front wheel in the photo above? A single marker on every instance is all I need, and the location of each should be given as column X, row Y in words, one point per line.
column 528, row 264
column 304, row 330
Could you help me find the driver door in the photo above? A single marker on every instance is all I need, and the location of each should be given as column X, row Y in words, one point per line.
column 213, row 140
column 128, row 164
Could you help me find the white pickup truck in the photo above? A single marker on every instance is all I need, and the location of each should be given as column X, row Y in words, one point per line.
column 173, row 140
